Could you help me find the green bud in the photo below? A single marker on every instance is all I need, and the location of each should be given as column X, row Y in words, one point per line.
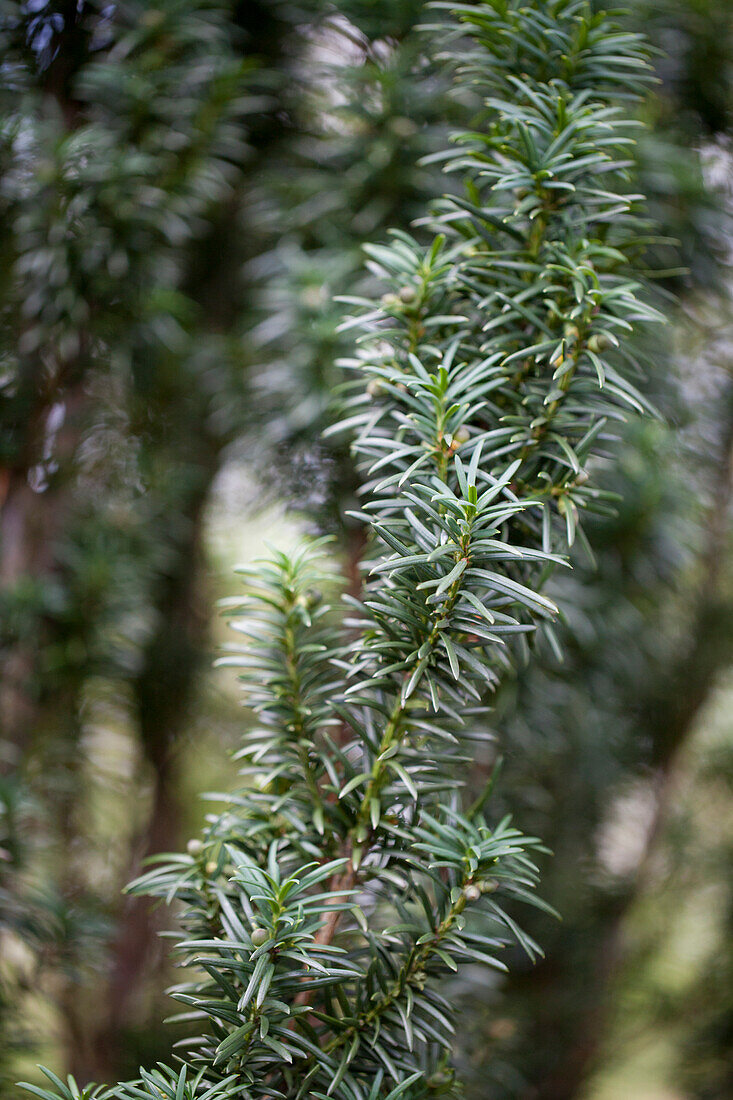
column 598, row 343
column 471, row 892
column 259, row 936
column 195, row 847
column 211, row 867
column 407, row 294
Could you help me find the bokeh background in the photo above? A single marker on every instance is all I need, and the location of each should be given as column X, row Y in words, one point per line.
column 184, row 188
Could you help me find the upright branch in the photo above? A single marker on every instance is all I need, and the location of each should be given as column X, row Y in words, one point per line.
column 324, row 906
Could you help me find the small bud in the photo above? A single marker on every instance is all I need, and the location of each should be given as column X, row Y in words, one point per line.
column 407, row 294
column 440, row 1080
column 374, row 388
column 389, row 301
column 581, row 477
column 461, row 435
column 195, row 847
column 211, row 867
column 571, row 332
column 259, row 936
column 471, row 892
column 597, row 343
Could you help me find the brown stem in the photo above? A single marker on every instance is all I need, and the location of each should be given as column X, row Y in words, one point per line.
column 324, row 936
column 136, row 951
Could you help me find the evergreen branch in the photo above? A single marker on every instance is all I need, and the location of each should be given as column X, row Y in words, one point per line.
column 487, row 377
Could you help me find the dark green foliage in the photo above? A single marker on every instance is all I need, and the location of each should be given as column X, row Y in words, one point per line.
column 149, row 154
column 128, row 134
column 327, row 902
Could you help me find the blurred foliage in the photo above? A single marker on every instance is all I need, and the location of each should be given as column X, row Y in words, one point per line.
column 695, row 38
column 184, row 188
column 176, row 179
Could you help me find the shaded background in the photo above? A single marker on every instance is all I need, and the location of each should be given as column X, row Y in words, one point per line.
column 184, row 187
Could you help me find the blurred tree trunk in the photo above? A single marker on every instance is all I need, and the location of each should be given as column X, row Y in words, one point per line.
column 31, row 520
column 165, row 691
column 21, row 522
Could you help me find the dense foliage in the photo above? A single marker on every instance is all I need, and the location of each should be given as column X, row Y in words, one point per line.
column 324, row 906
column 148, row 229
column 111, row 554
